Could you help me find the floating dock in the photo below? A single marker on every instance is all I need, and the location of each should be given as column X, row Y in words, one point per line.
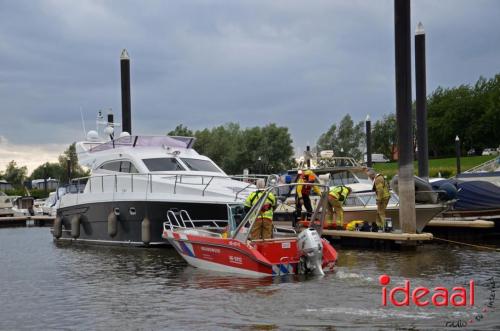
column 397, row 237
column 475, row 224
column 378, row 240
column 26, row 221
column 476, row 230
column 371, row 239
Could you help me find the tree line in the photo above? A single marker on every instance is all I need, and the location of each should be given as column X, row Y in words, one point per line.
column 68, row 161
column 470, row 112
column 265, row 149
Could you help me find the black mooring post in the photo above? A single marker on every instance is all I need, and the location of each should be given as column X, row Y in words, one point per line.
column 457, row 153
column 125, row 78
column 406, row 182
column 421, row 102
column 368, row 124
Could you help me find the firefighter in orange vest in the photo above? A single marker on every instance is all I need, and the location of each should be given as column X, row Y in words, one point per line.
column 302, row 194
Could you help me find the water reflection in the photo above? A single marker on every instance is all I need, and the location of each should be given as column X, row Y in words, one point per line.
column 408, row 264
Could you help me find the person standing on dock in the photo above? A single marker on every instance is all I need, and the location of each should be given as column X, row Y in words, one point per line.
column 381, row 187
column 302, row 194
column 336, row 199
column 263, row 225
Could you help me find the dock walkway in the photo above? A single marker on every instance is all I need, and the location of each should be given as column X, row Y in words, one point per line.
column 26, row 221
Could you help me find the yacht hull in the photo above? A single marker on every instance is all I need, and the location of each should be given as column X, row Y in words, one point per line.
column 93, row 219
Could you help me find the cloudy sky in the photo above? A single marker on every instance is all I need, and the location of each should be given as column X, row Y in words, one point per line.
column 301, row 64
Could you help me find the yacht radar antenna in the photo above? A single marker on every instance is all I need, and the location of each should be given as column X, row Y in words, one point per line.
column 108, row 124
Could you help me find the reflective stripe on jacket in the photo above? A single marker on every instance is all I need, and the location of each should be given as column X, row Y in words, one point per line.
column 270, row 203
column 339, row 193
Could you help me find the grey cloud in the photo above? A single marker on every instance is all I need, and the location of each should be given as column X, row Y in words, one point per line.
column 301, row 64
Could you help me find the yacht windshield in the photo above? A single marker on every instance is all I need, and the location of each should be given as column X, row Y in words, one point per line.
column 200, row 165
column 162, row 164
column 346, row 177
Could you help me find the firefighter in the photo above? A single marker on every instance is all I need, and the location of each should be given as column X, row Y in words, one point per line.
column 302, row 194
column 381, row 187
column 337, row 196
column 263, row 225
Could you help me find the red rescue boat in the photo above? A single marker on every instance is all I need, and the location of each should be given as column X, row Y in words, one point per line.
column 305, row 252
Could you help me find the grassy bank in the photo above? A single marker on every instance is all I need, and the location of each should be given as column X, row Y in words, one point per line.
column 445, row 167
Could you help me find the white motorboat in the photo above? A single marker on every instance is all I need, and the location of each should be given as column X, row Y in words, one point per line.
column 361, row 204
column 51, row 204
column 6, row 205
column 135, row 181
column 486, row 172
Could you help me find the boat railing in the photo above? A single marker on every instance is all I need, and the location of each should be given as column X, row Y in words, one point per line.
column 251, row 180
column 173, row 222
column 334, row 161
column 150, row 183
column 256, row 209
column 489, row 165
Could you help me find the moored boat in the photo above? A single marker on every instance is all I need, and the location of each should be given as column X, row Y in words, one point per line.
column 210, row 249
column 135, row 182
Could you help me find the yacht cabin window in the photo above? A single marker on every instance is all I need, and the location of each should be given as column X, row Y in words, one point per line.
column 200, row 165
column 163, row 164
column 127, row 166
column 119, row 166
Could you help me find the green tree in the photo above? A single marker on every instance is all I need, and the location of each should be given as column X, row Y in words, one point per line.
column 14, row 174
column 346, row 137
column 452, row 112
column 266, row 150
column 384, row 135
column 69, row 155
column 48, row 170
column 235, row 149
column 328, row 140
column 181, row 130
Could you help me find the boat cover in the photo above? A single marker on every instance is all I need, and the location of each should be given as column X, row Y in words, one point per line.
column 473, row 195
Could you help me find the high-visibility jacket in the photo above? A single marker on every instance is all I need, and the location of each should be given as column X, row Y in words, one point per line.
column 339, row 193
column 267, row 208
column 381, row 187
column 306, row 189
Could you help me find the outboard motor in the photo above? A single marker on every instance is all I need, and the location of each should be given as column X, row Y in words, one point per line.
column 311, row 249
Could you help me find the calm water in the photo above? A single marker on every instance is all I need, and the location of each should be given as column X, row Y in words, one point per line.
column 46, row 286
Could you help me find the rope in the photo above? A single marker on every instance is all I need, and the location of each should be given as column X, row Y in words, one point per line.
column 466, row 244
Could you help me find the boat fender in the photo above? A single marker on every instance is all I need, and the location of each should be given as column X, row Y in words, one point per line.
column 57, row 227
column 146, row 230
column 447, row 191
column 112, row 224
column 75, row 226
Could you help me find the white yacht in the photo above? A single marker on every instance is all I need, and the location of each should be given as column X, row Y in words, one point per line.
column 361, row 204
column 135, row 181
column 6, row 205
